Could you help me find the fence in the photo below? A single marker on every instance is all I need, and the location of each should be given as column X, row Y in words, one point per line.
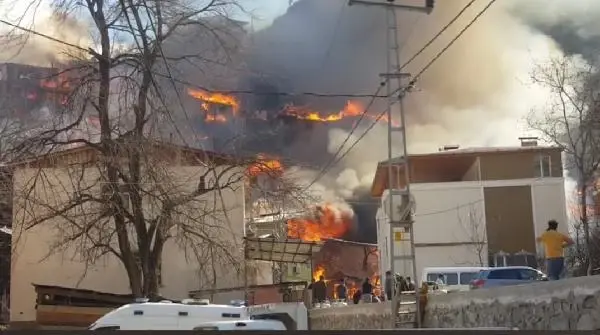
column 521, row 258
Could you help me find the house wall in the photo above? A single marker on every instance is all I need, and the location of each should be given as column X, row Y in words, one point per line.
column 444, row 235
column 521, row 166
column 473, row 173
column 449, row 221
column 33, row 261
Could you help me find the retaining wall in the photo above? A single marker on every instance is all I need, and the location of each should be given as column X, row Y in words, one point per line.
column 571, row 304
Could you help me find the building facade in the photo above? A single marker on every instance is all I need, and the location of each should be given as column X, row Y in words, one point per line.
column 474, row 203
column 42, row 185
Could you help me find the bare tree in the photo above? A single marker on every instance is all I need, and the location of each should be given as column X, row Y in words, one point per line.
column 571, row 120
column 127, row 198
column 473, row 226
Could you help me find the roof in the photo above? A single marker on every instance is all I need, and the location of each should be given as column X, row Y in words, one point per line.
column 249, row 287
column 476, row 151
column 451, row 161
column 285, row 251
column 201, row 155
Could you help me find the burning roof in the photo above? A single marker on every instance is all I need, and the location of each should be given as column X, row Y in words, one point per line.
column 327, row 222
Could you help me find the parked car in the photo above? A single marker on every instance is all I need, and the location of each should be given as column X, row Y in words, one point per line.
column 507, row 276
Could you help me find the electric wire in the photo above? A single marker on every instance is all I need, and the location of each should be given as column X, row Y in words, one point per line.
column 430, row 42
column 403, row 90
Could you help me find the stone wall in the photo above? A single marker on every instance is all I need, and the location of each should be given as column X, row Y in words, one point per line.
column 352, row 317
column 571, row 304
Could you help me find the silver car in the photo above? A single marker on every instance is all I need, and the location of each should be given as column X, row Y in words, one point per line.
column 507, row 276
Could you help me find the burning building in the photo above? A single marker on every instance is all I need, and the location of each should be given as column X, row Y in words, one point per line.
column 26, row 88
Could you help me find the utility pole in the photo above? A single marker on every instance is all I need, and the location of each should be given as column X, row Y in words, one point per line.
column 401, row 225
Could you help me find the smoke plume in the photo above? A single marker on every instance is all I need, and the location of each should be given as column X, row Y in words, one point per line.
column 474, row 95
column 31, row 49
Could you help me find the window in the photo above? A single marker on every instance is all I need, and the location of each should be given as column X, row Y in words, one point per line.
column 107, row 193
column 138, row 312
column 542, row 166
column 467, row 277
column 527, row 274
column 509, row 274
column 449, row 278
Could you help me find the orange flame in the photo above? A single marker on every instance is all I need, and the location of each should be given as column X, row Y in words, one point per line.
column 265, row 165
column 57, row 82
column 318, row 272
column 327, row 224
column 352, row 109
column 215, row 118
column 208, row 98
column 215, row 98
column 352, row 285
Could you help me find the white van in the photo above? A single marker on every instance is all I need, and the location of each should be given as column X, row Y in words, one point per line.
column 167, row 315
column 242, row 325
column 455, row 278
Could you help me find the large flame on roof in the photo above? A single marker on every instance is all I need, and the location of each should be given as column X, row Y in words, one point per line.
column 265, row 165
column 328, row 222
column 353, row 108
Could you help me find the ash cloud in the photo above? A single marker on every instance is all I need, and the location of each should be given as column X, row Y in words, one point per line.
column 327, row 47
column 571, row 24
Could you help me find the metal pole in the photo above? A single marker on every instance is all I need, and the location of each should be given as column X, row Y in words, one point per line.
column 395, row 292
column 407, row 176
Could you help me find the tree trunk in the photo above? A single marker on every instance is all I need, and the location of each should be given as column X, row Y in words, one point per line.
column 582, row 191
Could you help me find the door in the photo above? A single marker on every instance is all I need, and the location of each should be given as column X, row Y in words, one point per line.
column 503, row 277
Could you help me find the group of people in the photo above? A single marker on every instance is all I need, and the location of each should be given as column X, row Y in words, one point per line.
column 366, row 293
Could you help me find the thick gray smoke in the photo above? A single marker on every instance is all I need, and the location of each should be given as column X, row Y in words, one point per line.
column 472, row 96
column 571, row 24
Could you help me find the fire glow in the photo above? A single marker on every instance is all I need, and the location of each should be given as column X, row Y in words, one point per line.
column 351, row 285
column 265, row 165
column 209, row 99
column 327, row 223
column 352, row 109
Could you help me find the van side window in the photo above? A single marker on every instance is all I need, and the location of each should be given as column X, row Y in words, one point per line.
column 467, row 277
column 183, row 313
column 138, row 312
column 230, row 315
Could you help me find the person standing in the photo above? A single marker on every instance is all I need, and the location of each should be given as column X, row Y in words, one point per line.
column 320, row 290
column 367, row 291
column 342, row 290
column 410, row 284
column 389, row 285
column 440, row 281
column 554, row 243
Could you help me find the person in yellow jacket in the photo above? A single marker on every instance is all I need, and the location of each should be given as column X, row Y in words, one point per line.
column 554, row 243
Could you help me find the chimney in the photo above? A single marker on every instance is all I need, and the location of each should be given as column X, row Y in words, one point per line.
column 449, row 147
column 528, row 141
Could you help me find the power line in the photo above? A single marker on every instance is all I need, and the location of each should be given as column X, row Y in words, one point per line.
column 31, row 31
column 418, row 53
column 439, row 54
column 413, row 81
column 208, row 90
column 333, row 161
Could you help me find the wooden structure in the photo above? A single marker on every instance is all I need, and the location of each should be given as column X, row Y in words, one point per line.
column 61, row 306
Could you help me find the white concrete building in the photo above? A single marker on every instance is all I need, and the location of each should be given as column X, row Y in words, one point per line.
column 49, row 180
column 472, row 203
